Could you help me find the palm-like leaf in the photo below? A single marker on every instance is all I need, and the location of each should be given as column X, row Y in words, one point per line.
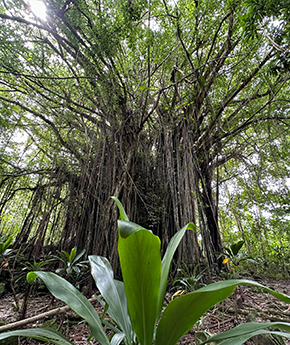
column 141, row 268
column 183, row 312
column 113, row 292
column 238, row 335
column 66, row 292
column 166, row 261
column 42, row 334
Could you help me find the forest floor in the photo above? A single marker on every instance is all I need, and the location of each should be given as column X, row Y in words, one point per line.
column 246, row 305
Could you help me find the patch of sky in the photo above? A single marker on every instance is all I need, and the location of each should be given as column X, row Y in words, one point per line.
column 20, row 137
column 38, row 8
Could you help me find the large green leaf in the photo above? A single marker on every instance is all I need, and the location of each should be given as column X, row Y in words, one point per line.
column 183, row 312
column 43, row 334
column 166, row 261
column 141, row 268
column 243, row 338
column 123, row 214
column 66, row 292
column 243, row 332
column 126, row 228
column 235, row 247
column 113, row 292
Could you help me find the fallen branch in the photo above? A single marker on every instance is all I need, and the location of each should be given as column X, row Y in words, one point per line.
column 221, row 323
column 49, row 313
column 260, row 314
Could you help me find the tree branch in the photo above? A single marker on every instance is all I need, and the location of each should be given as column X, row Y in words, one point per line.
column 49, row 313
column 47, row 121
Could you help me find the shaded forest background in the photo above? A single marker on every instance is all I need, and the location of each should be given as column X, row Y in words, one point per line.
column 179, row 109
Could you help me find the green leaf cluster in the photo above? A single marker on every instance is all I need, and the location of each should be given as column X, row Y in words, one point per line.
column 4, row 245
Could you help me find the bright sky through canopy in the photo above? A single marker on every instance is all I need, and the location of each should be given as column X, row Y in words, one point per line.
column 38, row 8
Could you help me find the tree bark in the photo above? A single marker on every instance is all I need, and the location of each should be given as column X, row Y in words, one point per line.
column 208, row 216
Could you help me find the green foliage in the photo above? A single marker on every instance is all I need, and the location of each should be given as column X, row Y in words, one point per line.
column 4, row 246
column 114, row 294
column 30, row 267
column 255, row 11
column 135, row 305
column 271, row 19
column 254, row 209
column 72, row 268
column 6, row 253
column 243, row 332
column 233, row 253
column 235, row 248
column 233, row 256
column 36, row 266
column 190, row 281
column 46, row 335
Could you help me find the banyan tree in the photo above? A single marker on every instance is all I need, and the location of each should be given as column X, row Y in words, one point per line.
column 146, row 101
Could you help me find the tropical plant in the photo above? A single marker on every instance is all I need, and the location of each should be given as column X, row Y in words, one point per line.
column 232, row 258
column 4, row 251
column 72, row 268
column 190, row 281
column 29, row 267
column 136, row 304
column 233, row 255
column 6, row 254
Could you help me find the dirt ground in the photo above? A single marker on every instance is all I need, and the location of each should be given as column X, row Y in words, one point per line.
column 246, row 305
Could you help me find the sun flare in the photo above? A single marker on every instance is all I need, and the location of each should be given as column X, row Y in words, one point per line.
column 38, row 8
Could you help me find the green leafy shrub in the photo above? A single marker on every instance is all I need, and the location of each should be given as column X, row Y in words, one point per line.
column 71, row 267
column 136, row 304
column 6, row 254
column 233, row 258
column 5, row 251
column 189, row 281
column 30, row 267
